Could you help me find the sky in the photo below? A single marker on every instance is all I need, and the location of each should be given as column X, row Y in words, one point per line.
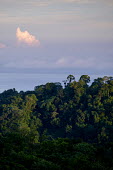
column 56, row 36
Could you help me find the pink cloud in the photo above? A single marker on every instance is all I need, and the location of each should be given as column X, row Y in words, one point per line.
column 2, row 45
column 27, row 38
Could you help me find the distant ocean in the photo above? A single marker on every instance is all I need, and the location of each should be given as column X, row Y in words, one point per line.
column 27, row 81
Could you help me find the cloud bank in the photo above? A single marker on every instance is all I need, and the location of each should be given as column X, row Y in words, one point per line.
column 26, row 38
column 2, row 45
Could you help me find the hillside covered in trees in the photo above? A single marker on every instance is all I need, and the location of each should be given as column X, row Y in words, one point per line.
column 58, row 127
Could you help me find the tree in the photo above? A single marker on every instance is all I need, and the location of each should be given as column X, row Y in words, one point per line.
column 85, row 78
column 70, row 78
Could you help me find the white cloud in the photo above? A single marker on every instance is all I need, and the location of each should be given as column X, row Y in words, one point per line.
column 26, row 37
column 77, row 62
column 2, row 45
column 48, row 2
column 72, row 1
column 79, row 1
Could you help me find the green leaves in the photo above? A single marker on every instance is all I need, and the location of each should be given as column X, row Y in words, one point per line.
column 76, row 110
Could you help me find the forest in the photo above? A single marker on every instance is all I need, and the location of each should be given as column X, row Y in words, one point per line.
column 58, row 126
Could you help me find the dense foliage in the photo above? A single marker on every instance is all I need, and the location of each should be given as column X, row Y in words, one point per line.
column 58, row 127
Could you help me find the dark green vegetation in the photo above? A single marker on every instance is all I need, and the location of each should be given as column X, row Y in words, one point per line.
column 53, row 127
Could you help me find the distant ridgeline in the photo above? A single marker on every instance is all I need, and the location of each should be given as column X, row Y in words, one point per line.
column 76, row 110
column 60, row 128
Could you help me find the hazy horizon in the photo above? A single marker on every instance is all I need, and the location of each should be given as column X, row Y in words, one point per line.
column 27, row 81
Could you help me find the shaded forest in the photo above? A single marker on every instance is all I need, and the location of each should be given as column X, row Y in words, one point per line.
column 58, row 127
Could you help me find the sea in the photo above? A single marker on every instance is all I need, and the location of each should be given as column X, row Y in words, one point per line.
column 27, row 81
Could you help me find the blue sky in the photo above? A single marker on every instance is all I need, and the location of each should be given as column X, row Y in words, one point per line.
column 56, row 35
